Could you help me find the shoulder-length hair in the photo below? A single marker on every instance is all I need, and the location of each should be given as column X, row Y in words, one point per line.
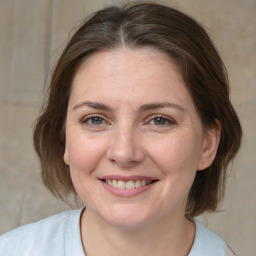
column 184, row 40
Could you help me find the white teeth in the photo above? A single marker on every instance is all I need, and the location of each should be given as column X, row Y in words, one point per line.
column 109, row 182
column 137, row 184
column 121, row 184
column 114, row 183
column 127, row 184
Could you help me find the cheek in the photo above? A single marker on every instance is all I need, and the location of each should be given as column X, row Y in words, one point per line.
column 177, row 159
column 177, row 153
column 84, row 157
column 84, row 153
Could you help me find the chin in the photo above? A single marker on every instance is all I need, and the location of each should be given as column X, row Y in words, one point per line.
column 126, row 217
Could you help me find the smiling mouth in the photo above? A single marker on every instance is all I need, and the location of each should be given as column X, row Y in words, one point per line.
column 130, row 184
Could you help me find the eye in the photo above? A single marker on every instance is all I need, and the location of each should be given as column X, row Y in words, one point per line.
column 161, row 120
column 96, row 120
column 93, row 120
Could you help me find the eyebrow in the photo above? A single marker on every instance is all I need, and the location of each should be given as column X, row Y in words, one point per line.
column 95, row 105
column 152, row 106
column 143, row 108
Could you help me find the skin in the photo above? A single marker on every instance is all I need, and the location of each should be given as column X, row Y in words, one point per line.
column 114, row 127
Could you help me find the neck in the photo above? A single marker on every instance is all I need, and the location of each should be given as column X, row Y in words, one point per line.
column 173, row 236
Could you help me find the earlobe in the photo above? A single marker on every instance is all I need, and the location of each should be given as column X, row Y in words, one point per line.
column 210, row 146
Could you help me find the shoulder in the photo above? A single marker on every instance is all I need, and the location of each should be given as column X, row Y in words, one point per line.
column 35, row 237
column 208, row 243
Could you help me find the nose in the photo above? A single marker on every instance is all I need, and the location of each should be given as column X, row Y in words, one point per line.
column 125, row 149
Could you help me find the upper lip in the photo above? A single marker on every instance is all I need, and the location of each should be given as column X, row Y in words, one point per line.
column 127, row 178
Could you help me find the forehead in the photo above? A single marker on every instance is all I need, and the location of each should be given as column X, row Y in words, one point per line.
column 124, row 65
column 125, row 74
column 125, row 79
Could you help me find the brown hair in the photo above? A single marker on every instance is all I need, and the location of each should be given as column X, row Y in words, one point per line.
column 173, row 33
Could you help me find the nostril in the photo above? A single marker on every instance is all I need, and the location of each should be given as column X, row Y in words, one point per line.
column 125, row 151
column 126, row 156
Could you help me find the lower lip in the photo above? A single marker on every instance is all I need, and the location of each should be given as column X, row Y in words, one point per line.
column 122, row 192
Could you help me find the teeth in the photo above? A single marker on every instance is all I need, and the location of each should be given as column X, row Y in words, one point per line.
column 109, row 182
column 127, row 184
column 114, row 183
column 121, row 184
column 137, row 184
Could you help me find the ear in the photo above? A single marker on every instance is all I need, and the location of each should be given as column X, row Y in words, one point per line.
column 210, row 146
column 66, row 155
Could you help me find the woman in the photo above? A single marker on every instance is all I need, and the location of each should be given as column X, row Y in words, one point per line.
column 139, row 125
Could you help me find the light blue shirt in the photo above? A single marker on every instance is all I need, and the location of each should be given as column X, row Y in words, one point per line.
column 60, row 235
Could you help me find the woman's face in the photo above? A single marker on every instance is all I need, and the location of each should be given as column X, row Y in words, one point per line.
column 134, row 140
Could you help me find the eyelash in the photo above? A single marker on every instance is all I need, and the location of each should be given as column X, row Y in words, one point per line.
column 167, row 120
column 87, row 119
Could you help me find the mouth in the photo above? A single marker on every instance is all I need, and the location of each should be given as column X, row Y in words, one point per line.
column 128, row 187
column 128, row 184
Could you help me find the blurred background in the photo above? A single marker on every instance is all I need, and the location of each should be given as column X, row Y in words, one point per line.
column 32, row 35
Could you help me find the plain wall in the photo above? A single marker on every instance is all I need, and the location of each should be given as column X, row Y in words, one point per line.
column 32, row 34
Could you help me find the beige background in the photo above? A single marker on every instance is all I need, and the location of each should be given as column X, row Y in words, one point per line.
column 32, row 33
